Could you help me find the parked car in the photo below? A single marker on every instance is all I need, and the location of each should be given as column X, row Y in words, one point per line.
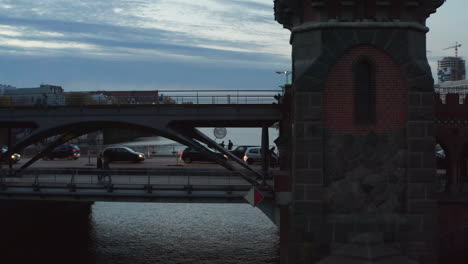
column 122, row 154
column 254, row 154
column 189, row 155
column 65, row 151
column 15, row 157
column 239, row 151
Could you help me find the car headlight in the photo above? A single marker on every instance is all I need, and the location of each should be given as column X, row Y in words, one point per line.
column 140, row 156
column 13, row 157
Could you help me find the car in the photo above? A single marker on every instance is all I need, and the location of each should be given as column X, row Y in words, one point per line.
column 254, row 154
column 65, row 151
column 239, row 151
column 15, row 157
column 190, row 154
column 122, row 154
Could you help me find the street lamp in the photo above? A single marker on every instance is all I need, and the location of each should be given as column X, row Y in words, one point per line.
column 286, row 73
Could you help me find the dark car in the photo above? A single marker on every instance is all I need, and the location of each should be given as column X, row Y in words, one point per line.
column 15, row 157
column 240, row 151
column 122, row 154
column 189, row 155
column 66, row 151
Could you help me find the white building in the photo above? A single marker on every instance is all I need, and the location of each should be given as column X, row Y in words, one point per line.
column 456, row 87
column 44, row 94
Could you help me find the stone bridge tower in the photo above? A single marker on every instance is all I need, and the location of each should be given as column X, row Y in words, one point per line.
column 362, row 162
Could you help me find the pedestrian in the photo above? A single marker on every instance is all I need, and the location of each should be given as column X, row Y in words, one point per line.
column 99, row 162
column 222, row 144
column 273, row 157
column 230, row 145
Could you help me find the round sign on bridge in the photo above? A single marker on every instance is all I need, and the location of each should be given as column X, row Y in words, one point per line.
column 220, row 132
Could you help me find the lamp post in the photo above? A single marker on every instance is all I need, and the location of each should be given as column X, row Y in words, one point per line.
column 286, row 73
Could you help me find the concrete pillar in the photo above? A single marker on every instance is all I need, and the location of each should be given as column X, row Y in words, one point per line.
column 362, row 140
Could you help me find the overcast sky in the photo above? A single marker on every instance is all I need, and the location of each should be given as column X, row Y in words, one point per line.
column 163, row 44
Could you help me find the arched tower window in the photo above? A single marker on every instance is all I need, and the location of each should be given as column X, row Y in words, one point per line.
column 364, row 96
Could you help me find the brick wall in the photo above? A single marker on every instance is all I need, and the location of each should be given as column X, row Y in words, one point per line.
column 391, row 94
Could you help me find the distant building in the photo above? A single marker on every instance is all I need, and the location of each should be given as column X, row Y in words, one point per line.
column 451, row 69
column 125, row 97
column 4, row 88
column 44, row 94
column 458, row 87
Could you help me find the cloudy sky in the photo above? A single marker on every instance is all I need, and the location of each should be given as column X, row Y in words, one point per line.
column 163, row 44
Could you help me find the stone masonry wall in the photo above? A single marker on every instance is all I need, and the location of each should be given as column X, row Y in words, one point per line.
column 397, row 203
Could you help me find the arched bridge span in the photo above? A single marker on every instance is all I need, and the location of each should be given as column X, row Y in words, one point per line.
column 176, row 122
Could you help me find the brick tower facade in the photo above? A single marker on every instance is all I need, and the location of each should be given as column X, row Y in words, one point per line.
column 361, row 150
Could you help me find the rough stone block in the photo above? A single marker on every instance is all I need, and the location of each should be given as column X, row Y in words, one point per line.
column 309, row 207
column 298, row 222
column 421, row 83
column 299, row 130
column 309, row 176
column 429, row 160
column 365, row 36
column 299, row 192
column 415, row 99
column 309, row 145
column 342, row 232
column 308, row 83
column 427, row 99
column 417, row 129
column 334, row 41
column 316, row 160
column 422, row 175
column 416, row 190
column 421, row 113
column 422, row 145
column 313, row 129
column 314, row 192
column 415, row 160
column 301, row 160
column 430, row 128
column 313, row 114
column 429, row 222
column 316, row 99
column 422, row 206
column 323, row 232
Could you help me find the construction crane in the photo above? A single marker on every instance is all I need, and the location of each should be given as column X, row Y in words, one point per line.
column 457, row 45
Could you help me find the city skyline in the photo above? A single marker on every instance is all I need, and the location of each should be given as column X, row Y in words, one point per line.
column 146, row 45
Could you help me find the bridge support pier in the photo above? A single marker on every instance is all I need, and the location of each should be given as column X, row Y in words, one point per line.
column 265, row 152
column 362, row 169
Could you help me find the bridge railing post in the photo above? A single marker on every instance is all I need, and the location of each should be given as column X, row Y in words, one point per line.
column 36, row 181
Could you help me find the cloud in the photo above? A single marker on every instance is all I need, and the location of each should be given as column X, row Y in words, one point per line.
column 210, row 31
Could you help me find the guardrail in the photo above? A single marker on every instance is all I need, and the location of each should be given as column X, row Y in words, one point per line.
column 141, row 97
column 126, row 179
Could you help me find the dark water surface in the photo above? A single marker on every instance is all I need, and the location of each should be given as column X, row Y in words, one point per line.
column 137, row 233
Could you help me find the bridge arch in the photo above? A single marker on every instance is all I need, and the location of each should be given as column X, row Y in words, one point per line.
column 73, row 130
column 82, row 128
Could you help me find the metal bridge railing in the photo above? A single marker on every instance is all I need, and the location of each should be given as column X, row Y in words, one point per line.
column 141, row 97
column 125, row 179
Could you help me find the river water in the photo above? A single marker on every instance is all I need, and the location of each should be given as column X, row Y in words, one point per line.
column 138, row 233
